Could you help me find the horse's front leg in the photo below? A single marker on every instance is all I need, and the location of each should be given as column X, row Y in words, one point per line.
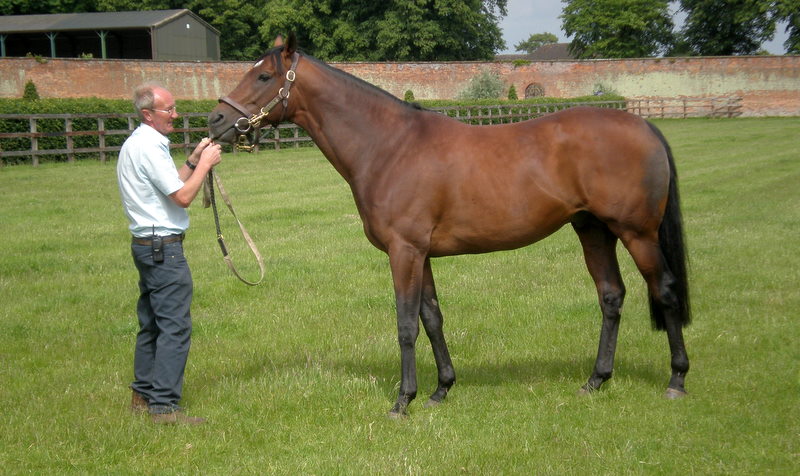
column 407, row 267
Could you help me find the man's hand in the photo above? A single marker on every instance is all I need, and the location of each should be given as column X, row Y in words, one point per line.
column 210, row 152
column 207, row 154
column 197, row 154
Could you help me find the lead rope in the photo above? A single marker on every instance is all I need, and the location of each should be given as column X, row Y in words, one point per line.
column 212, row 177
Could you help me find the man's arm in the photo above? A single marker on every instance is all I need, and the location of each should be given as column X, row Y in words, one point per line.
column 205, row 155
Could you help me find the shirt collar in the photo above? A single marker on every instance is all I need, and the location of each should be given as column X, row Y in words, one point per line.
column 153, row 134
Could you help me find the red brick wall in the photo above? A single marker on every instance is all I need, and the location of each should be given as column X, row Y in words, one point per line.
column 768, row 85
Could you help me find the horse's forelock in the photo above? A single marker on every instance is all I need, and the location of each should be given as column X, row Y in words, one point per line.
column 276, row 52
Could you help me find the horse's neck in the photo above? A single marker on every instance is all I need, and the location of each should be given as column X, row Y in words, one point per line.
column 353, row 125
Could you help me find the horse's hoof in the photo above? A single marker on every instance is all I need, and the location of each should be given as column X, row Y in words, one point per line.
column 431, row 403
column 586, row 390
column 398, row 412
column 675, row 394
column 397, row 415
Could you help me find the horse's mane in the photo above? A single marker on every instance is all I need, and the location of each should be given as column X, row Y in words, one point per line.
column 358, row 82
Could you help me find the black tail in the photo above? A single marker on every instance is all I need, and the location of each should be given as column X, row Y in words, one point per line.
column 673, row 247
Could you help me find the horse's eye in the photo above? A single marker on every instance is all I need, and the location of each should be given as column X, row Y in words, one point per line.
column 263, row 77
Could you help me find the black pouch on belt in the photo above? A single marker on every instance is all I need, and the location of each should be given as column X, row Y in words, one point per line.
column 158, row 249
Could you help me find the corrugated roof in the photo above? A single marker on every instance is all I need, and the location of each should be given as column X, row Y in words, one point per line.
column 91, row 21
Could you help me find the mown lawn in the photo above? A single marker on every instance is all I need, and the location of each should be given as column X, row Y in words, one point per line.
column 296, row 375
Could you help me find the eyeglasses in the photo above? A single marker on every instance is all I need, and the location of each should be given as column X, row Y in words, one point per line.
column 169, row 110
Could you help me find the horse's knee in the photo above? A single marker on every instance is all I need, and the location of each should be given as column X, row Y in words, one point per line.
column 407, row 335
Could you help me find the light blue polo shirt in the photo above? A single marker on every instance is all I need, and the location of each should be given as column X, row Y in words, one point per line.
column 147, row 176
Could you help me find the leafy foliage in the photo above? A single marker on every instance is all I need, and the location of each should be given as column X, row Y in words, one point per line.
column 30, row 93
column 486, row 85
column 788, row 11
column 79, row 106
column 738, row 27
column 535, row 41
column 617, row 28
column 512, row 93
column 402, row 30
column 332, row 30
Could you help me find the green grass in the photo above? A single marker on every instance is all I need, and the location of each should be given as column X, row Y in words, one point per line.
column 296, row 375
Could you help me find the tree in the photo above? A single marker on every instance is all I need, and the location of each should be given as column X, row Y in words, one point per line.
column 788, row 11
column 401, row 30
column 617, row 28
column 535, row 41
column 729, row 27
column 332, row 30
column 238, row 23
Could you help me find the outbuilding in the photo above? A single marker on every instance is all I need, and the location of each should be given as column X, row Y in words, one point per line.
column 165, row 35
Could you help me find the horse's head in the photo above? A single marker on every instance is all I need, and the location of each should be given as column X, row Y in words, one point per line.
column 262, row 96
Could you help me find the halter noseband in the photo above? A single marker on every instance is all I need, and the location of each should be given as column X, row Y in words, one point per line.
column 244, row 125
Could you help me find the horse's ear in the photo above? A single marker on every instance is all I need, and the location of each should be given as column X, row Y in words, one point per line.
column 291, row 44
column 278, row 41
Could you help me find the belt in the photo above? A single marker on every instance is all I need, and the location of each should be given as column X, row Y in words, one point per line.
column 166, row 239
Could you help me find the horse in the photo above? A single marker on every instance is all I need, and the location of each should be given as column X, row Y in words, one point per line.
column 426, row 185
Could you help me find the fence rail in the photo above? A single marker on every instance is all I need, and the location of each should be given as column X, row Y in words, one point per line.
column 686, row 107
column 71, row 136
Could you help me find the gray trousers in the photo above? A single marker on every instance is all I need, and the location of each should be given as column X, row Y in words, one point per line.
column 165, row 326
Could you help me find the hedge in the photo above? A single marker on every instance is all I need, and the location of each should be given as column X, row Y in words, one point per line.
column 78, row 106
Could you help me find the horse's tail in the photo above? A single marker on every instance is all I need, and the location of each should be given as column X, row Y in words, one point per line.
column 673, row 248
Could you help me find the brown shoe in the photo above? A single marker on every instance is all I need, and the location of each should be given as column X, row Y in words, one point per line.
column 176, row 418
column 138, row 403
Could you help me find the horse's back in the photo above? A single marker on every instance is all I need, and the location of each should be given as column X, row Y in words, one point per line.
column 501, row 187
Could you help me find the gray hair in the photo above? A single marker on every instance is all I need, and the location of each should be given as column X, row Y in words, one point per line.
column 143, row 97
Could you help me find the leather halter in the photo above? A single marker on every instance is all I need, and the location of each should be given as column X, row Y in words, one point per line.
column 248, row 122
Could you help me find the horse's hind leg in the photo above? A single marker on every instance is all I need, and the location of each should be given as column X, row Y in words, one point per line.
column 432, row 321
column 599, row 250
column 664, row 305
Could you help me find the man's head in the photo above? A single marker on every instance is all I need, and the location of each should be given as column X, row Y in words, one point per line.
column 156, row 107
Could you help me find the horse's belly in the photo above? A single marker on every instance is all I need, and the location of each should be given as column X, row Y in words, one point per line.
column 488, row 231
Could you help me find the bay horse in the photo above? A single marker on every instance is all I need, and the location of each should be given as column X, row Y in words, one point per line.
column 427, row 185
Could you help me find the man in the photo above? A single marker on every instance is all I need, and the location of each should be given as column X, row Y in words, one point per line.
column 154, row 196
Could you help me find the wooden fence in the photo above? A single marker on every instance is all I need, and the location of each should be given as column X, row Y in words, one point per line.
column 71, row 136
column 686, row 107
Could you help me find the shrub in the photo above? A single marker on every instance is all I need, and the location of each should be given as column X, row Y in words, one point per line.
column 30, row 93
column 408, row 96
column 601, row 89
column 512, row 93
column 486, row 85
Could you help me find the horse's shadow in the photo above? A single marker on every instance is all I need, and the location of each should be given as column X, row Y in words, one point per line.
column 536, row 372
column 531, row 371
